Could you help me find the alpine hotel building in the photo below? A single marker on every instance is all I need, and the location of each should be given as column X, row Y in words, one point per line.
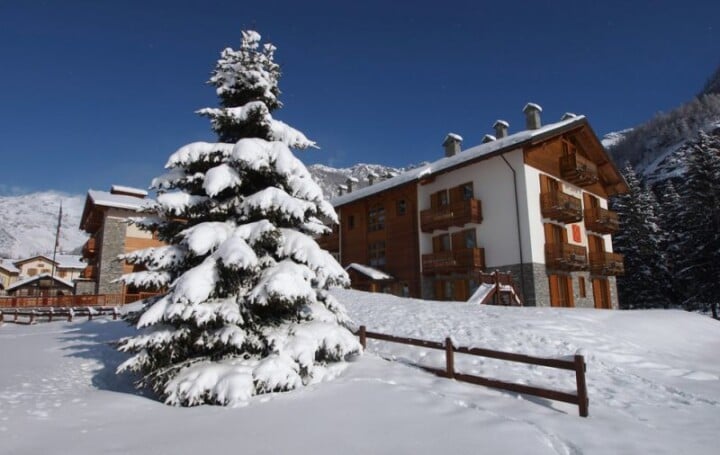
column 533, row 203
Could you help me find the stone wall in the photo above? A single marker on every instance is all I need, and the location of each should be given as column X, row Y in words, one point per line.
column 113, row 244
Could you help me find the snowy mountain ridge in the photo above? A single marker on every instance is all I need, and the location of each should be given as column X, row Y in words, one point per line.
column 28, row 223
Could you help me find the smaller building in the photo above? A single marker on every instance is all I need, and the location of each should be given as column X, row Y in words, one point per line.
column 8, row 274
column 44, row 285
column 65, row 266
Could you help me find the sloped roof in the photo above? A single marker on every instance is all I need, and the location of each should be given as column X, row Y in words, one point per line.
column 120, row 201
column 26, row 281
column 370, row 272
column 63, row 261
column 476, row 153
column 8, row 265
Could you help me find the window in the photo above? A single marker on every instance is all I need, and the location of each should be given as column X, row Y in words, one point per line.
column 449, row 290
column 469, row 237
column 443, row 199
column 441, row 243
column 351, row 222
column 401, row 207
column 32, row 271
column 581, row 285
column 405, row 290
column 466, row 190
column 376, row 253
column 376, row 219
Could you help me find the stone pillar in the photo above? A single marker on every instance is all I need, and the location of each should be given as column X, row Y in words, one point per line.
column 113, row 245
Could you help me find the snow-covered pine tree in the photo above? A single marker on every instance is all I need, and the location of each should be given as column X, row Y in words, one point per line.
column 699, row 266
column 669, row 216
column 246, row 308
column 645, row 283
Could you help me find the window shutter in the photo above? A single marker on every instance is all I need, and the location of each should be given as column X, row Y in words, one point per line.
column 437, row 244
column 554, row 290
column 435, row 200
column 458, row 241
column 456, row 194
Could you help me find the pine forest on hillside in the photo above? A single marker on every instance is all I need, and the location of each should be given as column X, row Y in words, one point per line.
column 246, row 309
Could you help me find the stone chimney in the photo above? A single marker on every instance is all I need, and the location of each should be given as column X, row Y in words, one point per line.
column 501, row 128
column 349, row 182
column 371, row 178
column 341, row 189
column 488, row 138
column 567, row 116
column 452, row 144
column 532, row 116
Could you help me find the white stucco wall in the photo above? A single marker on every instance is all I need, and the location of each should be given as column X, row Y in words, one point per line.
column 493, row 185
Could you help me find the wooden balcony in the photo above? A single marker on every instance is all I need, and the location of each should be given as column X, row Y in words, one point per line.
column 329, row 242
column 565, row 256
column 457, row 213
column 601, row 221
column 90, row 248
column 561, row 207
column 458, row 261
column 90, row 272
column 577, row 169
column 607, row 264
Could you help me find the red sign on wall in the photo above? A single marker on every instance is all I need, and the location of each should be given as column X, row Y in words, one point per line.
column 576, row 233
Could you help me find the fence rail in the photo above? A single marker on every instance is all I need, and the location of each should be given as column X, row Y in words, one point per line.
column 52, row 314
column 577, row 364
column 68, row 301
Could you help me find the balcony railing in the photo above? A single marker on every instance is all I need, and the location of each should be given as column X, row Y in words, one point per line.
column 566, row 256
column 601, row 220
column 457, row 213
column 329, row 242
column 457, row 261
column 90, row 247
column 561, row 207
column 607, row 264
column 577, row 169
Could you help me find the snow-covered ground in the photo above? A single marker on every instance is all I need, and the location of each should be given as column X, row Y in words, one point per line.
column 653, row 379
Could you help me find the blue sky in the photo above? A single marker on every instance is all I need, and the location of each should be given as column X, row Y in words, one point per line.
column 99, row 93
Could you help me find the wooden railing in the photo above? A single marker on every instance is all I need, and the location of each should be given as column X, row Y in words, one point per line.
column 566, row 256
column 54, row 314
column 503, row 282
column 457, row 213
column 607, row 264
column 72, row 300
column 602, row 221
column 577, row 364
column 464, row 260
column 561, row 207
column 577, row 169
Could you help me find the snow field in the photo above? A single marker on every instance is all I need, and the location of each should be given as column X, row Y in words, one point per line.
column 652, row 379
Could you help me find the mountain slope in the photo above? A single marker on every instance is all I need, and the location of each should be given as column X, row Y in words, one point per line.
column 28, row 223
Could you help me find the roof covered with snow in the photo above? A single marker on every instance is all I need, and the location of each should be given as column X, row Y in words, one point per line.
column 8, row 266
column 128, row 190
column 63, row 261
column 479, row 152
column 370, row 272
column 27, row 281
column 119, row 201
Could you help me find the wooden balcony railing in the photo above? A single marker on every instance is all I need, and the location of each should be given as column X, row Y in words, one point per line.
column 457, row 213
column 607, row 264
column 90, row 247
column 457, row 261
column 601, row 220
column 566, row 256
column 561, row 207
column 329, row 242
column 577, row 169
column 90, row 272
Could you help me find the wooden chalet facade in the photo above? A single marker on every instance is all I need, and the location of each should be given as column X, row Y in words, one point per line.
column 105, row 217
column 533, row 203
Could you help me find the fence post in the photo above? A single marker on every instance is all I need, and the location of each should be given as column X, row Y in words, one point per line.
column 449, row 358
column 363, row 337
column 583, row 401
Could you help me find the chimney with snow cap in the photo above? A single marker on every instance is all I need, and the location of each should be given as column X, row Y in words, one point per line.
column 341, row 189
column 452, row 144
column 371, row 176
column 501, row 128
column 568, row 116
column 349, row 182
column 488, row 138
column 532, row 116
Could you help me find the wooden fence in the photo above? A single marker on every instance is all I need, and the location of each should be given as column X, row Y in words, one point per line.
column 577, row 365
column 69, row 301
column 54, row 314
